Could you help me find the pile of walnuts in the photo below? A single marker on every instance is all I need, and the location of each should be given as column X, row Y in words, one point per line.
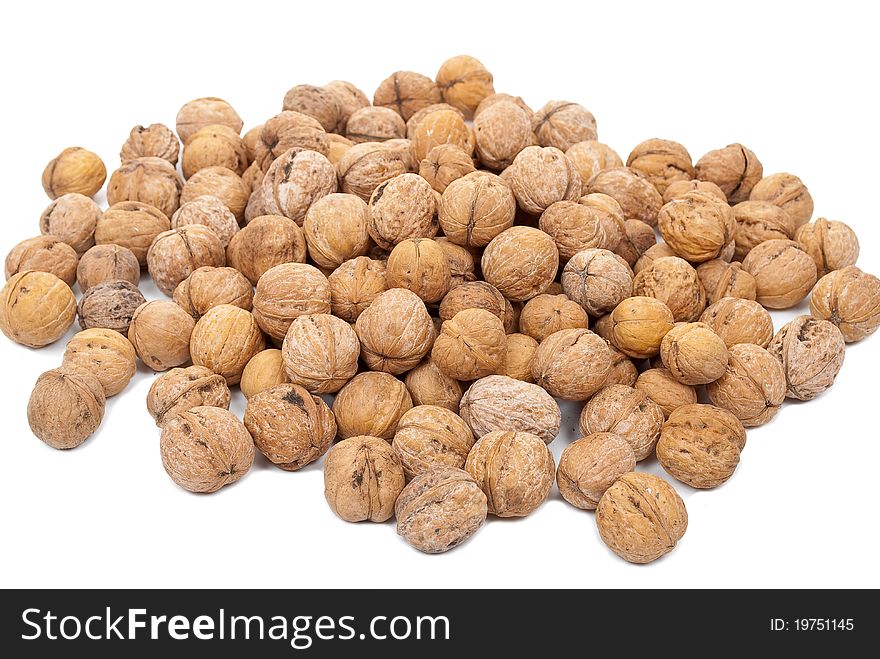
column 409, row 285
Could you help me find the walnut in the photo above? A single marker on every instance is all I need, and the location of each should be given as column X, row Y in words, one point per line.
column 610, row 216
column 721, row 279
column 628, row 413
column 419, row 265
column 265, row 242
column 660, row 386
column 182, row 389
column 461, row 263
column 205, row 448
column 208, row 287
column 591, row 157
column 735, row 169
column 419, row 116
column 320, row 353
column 752, row 388
column 521, row 262
column 263, row 371
column 832, row 244
column 72, row 218
column 440, row 509
column 286, row 292
column 464, row 82
column 175, row 254
column 354, row 285
column 106, row 263
column 677, row 189
column 515, row 470
column 214, row 146
column 66, row 407
column 400, row 208
column 286, row 131
column 107, row 354
column 545, row 314
column 759, row 221
column 636, row 195
column 641, row 517
column 674, row 282
column 203, row 112
column 637, row 239
column 45, row 254
column 573, row 226
column 501, row 131
column 473, row 295
column 374, row 124
column 224, row 340
column 406, row 92
column 364, row 167
column 471, row 345
column 428, row 385
column 444, row 164
column 662, row 161
column 498, row 402
column 694, row 354
column 154, row 141
column 441, row 127
column 638, row 325
column 590, row 465
column 210, row 212
column 540, row 176
column 789, row 193
column 74, row 170
column 363, row 477
column 783, row 272
column 562, row 124
column 132, row 225
column 295, row 181
column 250, row 140
column 700, row 445
column 623, row 371
column 811, row 351
column 602, row 327
column 109, row 305
column 492, row 99
column 36, row 308
column 658, row 251
column 697, row 226
column 160, row 332
column 572, row 364
column 395, row 331
column 316, row 102
column 597, row 279
column 476, row 208
column 335, row 229
column 371, row 402
column 149, row 180
column 518, row 357
column 739, row 321
column 349, row 99
column 291, row 427
column 430, row 437
column 850, row 299
column 339, row 145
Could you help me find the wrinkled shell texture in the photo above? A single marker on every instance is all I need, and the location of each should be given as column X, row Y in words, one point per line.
column 623, row 370
column 72, row 218
column 154, row 141
column 475, row 209
column 406, row 92
column 428, row 385
column 752, row 388
column 721, row 279
column 202, row 112
column 653, row 253
column 36, row 308
column 160, row 331
column 366, row 166
column 182, row 389
column 46, row 254
column 74, row 170
column 371, row 404
column 545, row 314
column 444, row 164
column 286, row 292
column 757, row 222
column 789, row 193
column 152, row 181
column 811, row 352
column 349, row 98
column 295, row 181
column 518, row 357
column 106, row 354
column 214, row 146
column 735, row 169
column 700, row 445
column 400, row 208
column 263, row 371
column 440, row 509
column 501, row 131
column 694, row 354
column 638, row 325
column 133, row 225
column 224, row 340
column 419, row 265
column 515, row 470
column 395, row 331
column 562, row 124
column 598, row 280
column 641, row 517
column 832, row 244
column 697, row 226
column 265, row 242
column 210, row 212
column 208, row 287
column 354, row 285
column 107, row 263
column 739, row 321
column 628, row 413
column 541, row 176
column 374, row 124
column 289, row 130
column 464, row 82
column 521, row 262
column 206, row 448
column 315, row 102
column 591, row 157
column 850, row 299
column 636, row 195
column 175, row 254
column 291, row 427
column 473, row 295
column 498, row 402
column 678, row 189
column 320, row 353
column 573, row 227
column 363, row 477
column 65, row 407
column 637, row 239
column 218, row 182
column 572, row 364
column 783, row 272
column 471, row 345
column 662, row 161
column 429, row 437
column 110, row 305
column 441, row 127
column 590, row 465
column 335, row 229
column 660, row 386
column 674, row 282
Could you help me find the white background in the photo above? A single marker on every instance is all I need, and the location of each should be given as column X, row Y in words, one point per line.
column 796, row 82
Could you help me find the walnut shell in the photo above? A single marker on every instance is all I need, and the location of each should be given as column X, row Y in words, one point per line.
column 72, row 218
column 176, row 254
column 562, row 124
column 105, row 353
column 572, row 364
column 518, row 357
column 208, row 287
column 638, row 325
column 545, row 314
column 222, row 183
column 662, row 161
column 182, row 389
column 362, row 479
column 573, row 226
column 354, row 285
column 590, row 465
column 201, row 112
column 678, row 189
column 263, row 371
column 757, row 222
column 628, row 413
column 515, row 470
column 811, row 352
column 696, row 226
column 428, row 385
column 161, row 332
column 832, row 244
column 591, row 157
column 148, row 180
column 291, row 427
column 286, row 292
column 374, row 124
column 721, row 279
column 214, row 146
column 473, row 295
column 501, row 131
column 440, row 509
column 464, row 82
column 316, row 102
column 335, row 229
column 674, row 282
column 850, row 299
column 406, row 92
column 521, row 262
column 641, row 517
column 205, row 448
column 735, row 169
column 224, row 340
column 700, row 445
column 783, row 272
column 364, row 167
column 395, row 331
column 471, row 345
column 789, row 193
column 694, row 354
column 286, row 131
column 638, row 238
column 103, row 263
column 430, row 437
column 74, row 170
column 475, row 209
column 444, row 164
column 498, row 402
column 752, row 388
column 597, row 280
column 349, row 99
column 623, row 371
column 65, row 407
column 653, row 253
column 132, row 225
column 418, row 117
column 210, row 212
column 492, row 99
column 154, row 141
column 610, row 216
column 441, row 127
column 371, row 402
column 419, row 265
column 109, row 305
column 339, row 145
column 320, row 353
column 295, row 181
column 44, row 254
column 636, row 195
column 541, row 176
column 661, row 387
column 265, row 242
column 739, row 321
column 36, row 308
column 400, row 208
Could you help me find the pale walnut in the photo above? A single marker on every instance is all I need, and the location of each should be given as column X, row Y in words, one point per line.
column 501, row 131
column 628, row 413
column 132, row 225
column 678, row 189
column 74, row 170
column 208, row 287
column 598, row 280
column 349, row 99
column 339, row 145
column 591, row 157
column 295, row 181
column 66, row 407
column 697, row 226
column 364, row 167
column 374, row 124
column 320, row 353
column 752, row 388
column 850, row 299
column 218, row 182
column 471, row 345
column 721, row 279
column 757, row 222
column 545, row 314
column 160, row 332
column 694, row 354
column 573, row 226
column 335, row 229
column 224, row 340
column 395, row 331
column 419, row 265
column 541, row 176
column 475, row 209
column 428, row 385
column 811, row 351
column 590, row 465
column 45, row 254
column 156, row 141
column 636, row 195
column 662, row 161
column 413, row 122
column 784, row 273
column 518, row 357
column 653, row 253
column 315, row 102
column 265, row 242
column 638, row 325
column 492, row 99
column 735, row 169
column 789, row 193
column 203, row 112
column 148, row 180
column 406, row 92
column 832, row 244
column 521, row 262
column 674, row 282
column 400, row 208
column 286, row 292
column 263, row 371
column 372, row 403
column 176, row 254
column 739, row 321
column 610, row 216
column 429, row 437
column 444, row 164
column 562, row 124
column 73, row 219
column 441, row 127
column 498, row 402
column 660, row 386
column 289, row 130
column 210, row 212
column 363, row 478
column 354, row 285
column 464, row 82
column 638, row 239
column 107, row 354
column 214, row 146
column 182, row 389
column 106, row 263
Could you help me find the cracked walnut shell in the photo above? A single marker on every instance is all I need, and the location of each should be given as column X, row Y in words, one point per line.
column 470, row 345
column 66, row 406
column 628, row 413
column 521, row 262
column 320, row 353
column 36, row 308
column 224, row 340
column 850, row 299
column 784, row 273
column 182, row 389
column 752, row 388
column 44, row 254
column 395, row 331
column 572, row 364
column 371, row 402
column 430, row 437
column 590, row 465
column 812, row 352
column 161, row 331
column 105, row 353
column 74, row 170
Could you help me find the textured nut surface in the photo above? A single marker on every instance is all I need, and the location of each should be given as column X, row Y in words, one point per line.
column 662, row 161
column 518, row 357
column 789, row 193
column 320, row 353
column 371, row 403
column 348, row 97
column 45, row 254
column 444, row 164
column 219, row 182
column 395, row 331
column 315, row 102
column 521, row 262
column 225, row 339
column 811, row 351
column 470, row 345
column 441, row 127
column 428, row 385
column 366, row 166
column 72, row 218
column 152, row 181
column 263, row 371
column 572, row 364
column 674, row 282
column 107, row 354
column 36, row 308
column 623, row 370
column 419, row 265
column 660, row 386
column 696, row 226
column 205, row 448
column 591, row 157
column 429, row 437
column 562, row 124
column 210, row 212
column 208, row 287
column 545, row 314
column 291, row 427
column 295, row 181
column 175, row 254
column 739, row 321
column 637, row 239
column 636, row 195
column 133, row 225
column 501, row 131
column 406, row 92
column 286, row 292
column 638, row 325
column 832, row 244
column 110, row 305
column 590, row 465
column 476, row 208
column 473, row 295
column 498, row 402
column 752, row 388
column 653, row 253
column 265, row 242
column 214, row 146
column 677, row 189
column 515, row 470
column 74, row 170
column 721, row 279
column 850, row 299
column 597, row 279
column 363, row 477
column 161, row 331
column 783, row 272
column 374, row 124
column 628, row 413
column 153, row 141
column 541, row 176
column 354, row 285
column 400, row 208
column 759, row 221
column 641, row 517
column 700, row 445
column 573, row 226
column 289, row 130
column 694, row 354
column 106, row 263
column 182, row 389
column 440, row 509
column 464, row 82
column 65, row 407
column 203, row 112
column 735, row 169
column 335, row 229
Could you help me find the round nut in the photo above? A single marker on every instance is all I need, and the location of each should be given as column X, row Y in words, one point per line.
column 562, row 124
column 156, row 141
column 521, row 262
column 103, row 263
column 400, row 208
column 697, row 226
column 419, row 265
column 366, row 166
column 638, row 325
column 315, row 102
column 573, row 226
column 444, row 164
column 152, row 181
column 464, row 82
column 757, row 222
column 694, row 354
column 289, row 130
column 572, row 364
column 406, row 92
column 474, row 295
column 224, row 340
column 335, row 229
column 161, row 331
column 735, row 169
column 320, row 353
column 441, row 127
column 175, row 254
column 214, row 146
column 476, row 208
column 501, row 131
column 263, row 371
column 66, row 407
column 73, row 219
column 471, row 345
column 295, row 181
column 210, row 212
column 811, row 352
column 74, row 170
column 591, row 157
column 541, row 176
column 662, row 161
column 518, row 357
column 721, row 279
column 678, row 189
column 628, row 413
column 636, row 195
column 598, row 280
column 739, row 321
column 265, row 242
column 752, row 388
column 850, row 299
column 208, row 287
column 132, row 225
column 36, row 308
column 428, row 385
column 395, row 331
column 783, row 272
column 182, row 389
column 286, row 292
column 109, row 305
column 832, row 244
column 789, row 193
column 374, row 124
column 107, row 354
column 371, row 402
column 354, row 285
column 590, row 465
column 659, row 385
column 545, row 314
column 201, row 112
column 44, row 254
column 430, row 437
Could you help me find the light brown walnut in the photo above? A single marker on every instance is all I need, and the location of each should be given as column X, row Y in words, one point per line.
column 850, row 299
column 811, row 352
column 395, row 331
column 182, row 389
column 363, row 478
column 572, row 364
column 752, row 388
column 739, row 321
column 430, row 437
column 320, row 353
column 628, row 413
column 521, row 262
column 590, row 465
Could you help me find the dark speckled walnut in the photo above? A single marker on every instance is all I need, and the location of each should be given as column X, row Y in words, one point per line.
column 181, row 389
column 109, row 305
column 811, row 352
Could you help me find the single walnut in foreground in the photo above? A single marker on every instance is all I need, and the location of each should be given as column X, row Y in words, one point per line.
column 363, row 478
column 590, row 465
column 811, row 351
column 182, row 389
column 36, row 308
column 66, row 407
column 850, row 299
